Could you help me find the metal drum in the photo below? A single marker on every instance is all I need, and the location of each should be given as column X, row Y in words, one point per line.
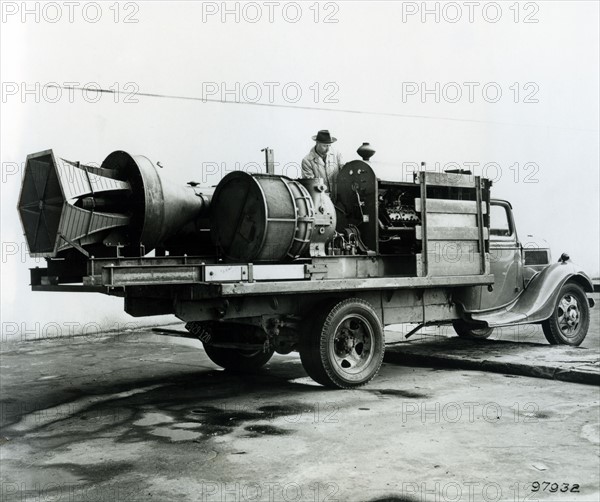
column 325, row 217
column 261, row 217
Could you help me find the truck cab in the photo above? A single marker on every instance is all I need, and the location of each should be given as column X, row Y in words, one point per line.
column 527, row 287
column 506, row 258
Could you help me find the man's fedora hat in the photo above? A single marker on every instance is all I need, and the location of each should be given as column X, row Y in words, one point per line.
column 323, row 136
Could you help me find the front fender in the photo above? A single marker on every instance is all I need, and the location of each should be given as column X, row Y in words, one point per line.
column 537, row 302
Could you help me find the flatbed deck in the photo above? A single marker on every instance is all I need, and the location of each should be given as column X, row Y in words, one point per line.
column 228, row 280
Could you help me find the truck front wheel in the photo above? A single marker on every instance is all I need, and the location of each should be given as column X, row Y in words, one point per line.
column 569, row 322
column 345, row 345
column 237, row 359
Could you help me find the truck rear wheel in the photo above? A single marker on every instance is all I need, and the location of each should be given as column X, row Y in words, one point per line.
column 570, row 320
column 238, row 359
column 466, row 330
column 345, row 345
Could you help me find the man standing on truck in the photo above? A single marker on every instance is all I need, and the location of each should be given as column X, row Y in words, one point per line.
column 323, row 161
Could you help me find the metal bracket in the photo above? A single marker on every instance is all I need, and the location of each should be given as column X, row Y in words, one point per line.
column 75, row 245
column 414, row 330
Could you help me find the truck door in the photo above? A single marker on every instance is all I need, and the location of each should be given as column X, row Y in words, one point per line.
column 505, row 258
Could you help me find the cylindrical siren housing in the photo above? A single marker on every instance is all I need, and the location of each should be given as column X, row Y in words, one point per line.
column 263, row 217
column 124, row 202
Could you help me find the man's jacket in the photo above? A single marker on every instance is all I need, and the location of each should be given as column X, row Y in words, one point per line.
column 313, row 166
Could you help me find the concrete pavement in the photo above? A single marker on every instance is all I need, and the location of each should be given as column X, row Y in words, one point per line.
column 145, row 417
column 556, row 362
column 517, row 350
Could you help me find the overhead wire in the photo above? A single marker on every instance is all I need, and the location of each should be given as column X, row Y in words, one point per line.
column 310, row 108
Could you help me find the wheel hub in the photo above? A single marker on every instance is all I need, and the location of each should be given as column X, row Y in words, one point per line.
column 352, row 344
column 345, row 343
column 568, row 315
column 573, row 316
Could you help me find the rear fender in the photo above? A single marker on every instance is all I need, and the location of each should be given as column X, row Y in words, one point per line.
column 537, row 302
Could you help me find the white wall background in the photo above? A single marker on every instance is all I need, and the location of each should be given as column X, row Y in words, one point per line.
column 369, row 54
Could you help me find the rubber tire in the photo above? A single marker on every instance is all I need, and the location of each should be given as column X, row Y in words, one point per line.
column 238, row 360
column 465, row 330
column 314, row 352
column 550, row 327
